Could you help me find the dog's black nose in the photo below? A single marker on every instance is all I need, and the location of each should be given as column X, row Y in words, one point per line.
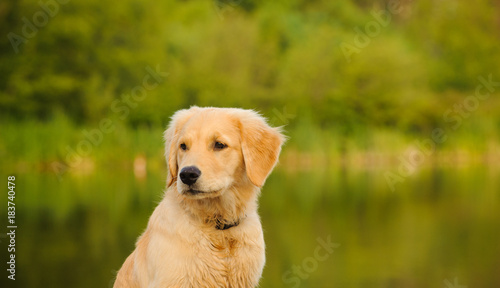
column 189, row 175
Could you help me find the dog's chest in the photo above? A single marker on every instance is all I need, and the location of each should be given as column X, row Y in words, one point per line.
column 225, row 261
column 200, row 258
column 223, row 246
column 220, row 256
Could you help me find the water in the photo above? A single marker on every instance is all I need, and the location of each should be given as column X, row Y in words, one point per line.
column 440, row 228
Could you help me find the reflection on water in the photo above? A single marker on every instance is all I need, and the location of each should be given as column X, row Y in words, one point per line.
column 438, row 227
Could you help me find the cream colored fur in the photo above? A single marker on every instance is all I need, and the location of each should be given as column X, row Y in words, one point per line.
column 181, row 246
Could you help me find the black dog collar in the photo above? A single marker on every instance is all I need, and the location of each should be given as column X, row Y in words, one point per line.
column 225, row 226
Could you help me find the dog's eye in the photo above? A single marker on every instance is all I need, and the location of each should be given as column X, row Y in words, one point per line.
column 183, row 146
column 219, row 146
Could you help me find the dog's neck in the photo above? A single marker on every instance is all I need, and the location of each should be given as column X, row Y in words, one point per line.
column 223, row 212
column 222, row 224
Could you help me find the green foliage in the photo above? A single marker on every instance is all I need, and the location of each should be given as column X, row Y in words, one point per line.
column 265, row 55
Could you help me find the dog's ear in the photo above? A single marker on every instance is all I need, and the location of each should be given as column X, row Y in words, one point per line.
column 260, row 145
column 171, row 137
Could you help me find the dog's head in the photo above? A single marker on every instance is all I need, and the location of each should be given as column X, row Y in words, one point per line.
column 212, row 150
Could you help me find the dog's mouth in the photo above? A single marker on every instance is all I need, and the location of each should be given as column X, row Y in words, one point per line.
column 199, row 193
column 195, row 192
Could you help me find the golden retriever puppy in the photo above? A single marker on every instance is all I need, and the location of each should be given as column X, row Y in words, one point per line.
column 206, row 231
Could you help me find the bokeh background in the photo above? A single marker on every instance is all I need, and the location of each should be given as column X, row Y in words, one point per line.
column 392, row 109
